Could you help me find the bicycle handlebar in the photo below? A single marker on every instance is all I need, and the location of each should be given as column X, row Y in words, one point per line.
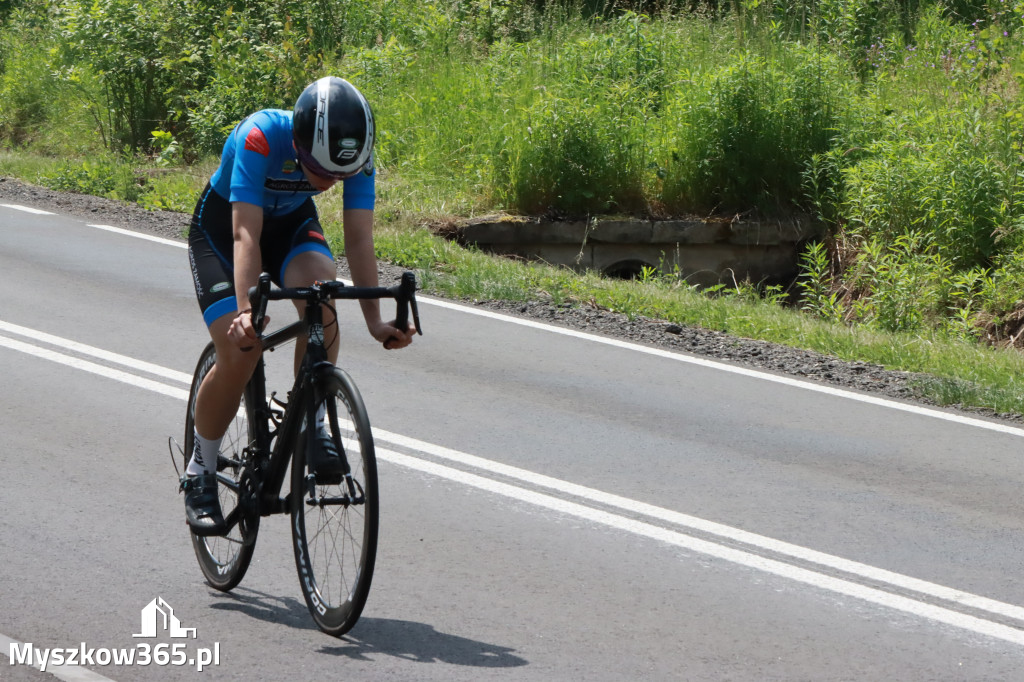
column 404, row 294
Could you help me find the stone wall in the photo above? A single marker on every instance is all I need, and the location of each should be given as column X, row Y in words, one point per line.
column 705, row 252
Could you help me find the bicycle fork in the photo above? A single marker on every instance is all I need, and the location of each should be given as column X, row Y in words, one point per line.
column 324, row 391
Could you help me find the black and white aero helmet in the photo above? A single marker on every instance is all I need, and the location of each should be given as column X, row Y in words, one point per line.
column 333, row 130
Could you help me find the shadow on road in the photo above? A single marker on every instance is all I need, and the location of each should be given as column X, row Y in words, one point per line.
column 267, row 607
column 421, row 643
column 402, row 639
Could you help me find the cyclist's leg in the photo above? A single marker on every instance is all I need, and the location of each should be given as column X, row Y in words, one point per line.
column 221, row 390
column 216, row 406
column 296, row 254
column 210, row 248
column 304, row 269
column 219, row 395
column 225, row 558
column 306, row 259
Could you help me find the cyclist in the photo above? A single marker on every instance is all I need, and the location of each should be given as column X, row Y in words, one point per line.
column 257, row 214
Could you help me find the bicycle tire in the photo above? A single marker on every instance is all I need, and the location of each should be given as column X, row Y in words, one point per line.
column 336, row 546
column 224, row 559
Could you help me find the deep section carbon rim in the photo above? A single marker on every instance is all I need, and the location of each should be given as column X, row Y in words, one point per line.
column 224, row 559
column 335, row 542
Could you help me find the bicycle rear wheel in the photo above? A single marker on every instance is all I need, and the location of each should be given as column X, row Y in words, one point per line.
column 225, row 559
column 334, row 536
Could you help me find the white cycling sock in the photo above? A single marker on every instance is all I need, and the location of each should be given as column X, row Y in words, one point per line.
column 204, row 455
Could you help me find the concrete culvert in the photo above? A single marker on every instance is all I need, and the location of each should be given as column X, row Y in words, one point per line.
column 627, row 269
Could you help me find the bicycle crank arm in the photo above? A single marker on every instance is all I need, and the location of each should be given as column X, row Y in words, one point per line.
column 232, row 519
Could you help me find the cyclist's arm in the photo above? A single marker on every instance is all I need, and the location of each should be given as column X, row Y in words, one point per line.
column 362, row 261
column 247, row 225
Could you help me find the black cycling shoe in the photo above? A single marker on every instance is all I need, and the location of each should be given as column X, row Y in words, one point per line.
column 326, row 464
column 202, row 508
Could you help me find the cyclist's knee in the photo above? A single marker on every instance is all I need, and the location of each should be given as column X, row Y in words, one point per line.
column 233, row 363
column 309, row 267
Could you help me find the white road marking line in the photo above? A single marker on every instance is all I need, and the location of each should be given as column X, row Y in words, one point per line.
column 672, row 537
column 680, row 357
column 93, row 368
column 736, row 556
column 68, row 673
column 99, row 353
column 141, row 235
column 709, row 527
column 27, row 209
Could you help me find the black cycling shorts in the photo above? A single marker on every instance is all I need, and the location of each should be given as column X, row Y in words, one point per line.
column 211, row 249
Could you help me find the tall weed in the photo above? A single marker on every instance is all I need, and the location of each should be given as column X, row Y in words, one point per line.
column 741, row 137
column 577, row 156
column 938, row 177
column 37, row 110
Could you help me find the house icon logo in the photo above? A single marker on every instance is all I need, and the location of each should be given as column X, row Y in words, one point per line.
column 158, row 616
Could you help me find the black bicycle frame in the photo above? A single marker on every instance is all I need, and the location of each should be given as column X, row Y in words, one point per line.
column 314, row 365
column 313, row 380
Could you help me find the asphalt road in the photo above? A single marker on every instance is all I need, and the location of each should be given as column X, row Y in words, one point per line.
column 554, row 506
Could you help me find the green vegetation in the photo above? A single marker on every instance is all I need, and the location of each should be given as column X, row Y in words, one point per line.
column 898, row 123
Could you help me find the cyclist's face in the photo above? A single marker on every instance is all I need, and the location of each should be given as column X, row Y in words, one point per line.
column 320, row 183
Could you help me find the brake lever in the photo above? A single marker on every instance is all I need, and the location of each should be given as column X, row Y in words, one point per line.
column 406, row 299
column 415, row 315
column 258, row 299
column 406, row 291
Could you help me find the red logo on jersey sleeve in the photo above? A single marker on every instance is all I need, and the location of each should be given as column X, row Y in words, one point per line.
column 256, row 142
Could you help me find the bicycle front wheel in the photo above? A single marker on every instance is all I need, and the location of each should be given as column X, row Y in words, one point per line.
column 334, row 527
column 225, row 559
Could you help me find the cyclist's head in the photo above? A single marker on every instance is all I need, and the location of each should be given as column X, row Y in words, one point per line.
column 333, row 129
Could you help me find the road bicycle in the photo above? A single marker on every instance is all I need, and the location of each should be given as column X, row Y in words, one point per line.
column 333, row 522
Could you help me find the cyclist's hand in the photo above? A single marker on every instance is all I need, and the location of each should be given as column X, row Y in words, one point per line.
column 242, row 333
column 391, row 336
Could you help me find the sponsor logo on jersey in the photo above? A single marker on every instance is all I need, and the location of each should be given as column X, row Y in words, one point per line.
column 220, row 286
column 316, row 235
column 276, row 185
column 289, row 166
column 256, row 142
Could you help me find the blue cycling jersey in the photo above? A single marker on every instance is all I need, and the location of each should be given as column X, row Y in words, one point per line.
column 259, row 166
